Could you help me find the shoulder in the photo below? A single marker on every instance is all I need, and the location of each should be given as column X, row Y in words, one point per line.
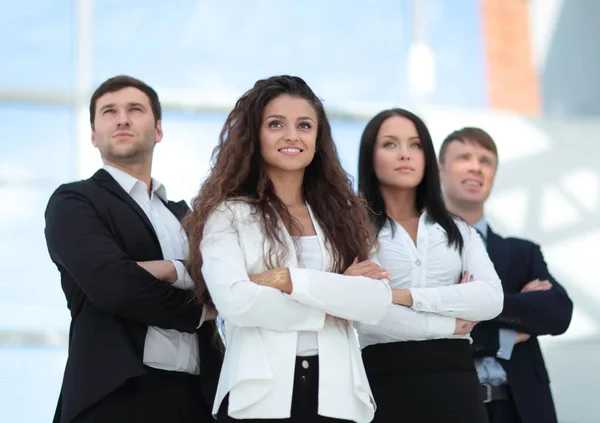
column 522, row 244
column 235, row 211
column 71, row 190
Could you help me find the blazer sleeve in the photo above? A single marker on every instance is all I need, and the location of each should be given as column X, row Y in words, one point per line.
column 356, row 298
column 481, row 299
column 238, row 299
column 537, row 312
column 83, row 246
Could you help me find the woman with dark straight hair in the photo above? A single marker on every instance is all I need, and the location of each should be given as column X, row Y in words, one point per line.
column 285, row 248
column 417, row 358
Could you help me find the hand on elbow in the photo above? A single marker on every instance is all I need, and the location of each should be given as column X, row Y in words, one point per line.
column 278, row 278
column 464, row 327
column 163, row 270
column 368, row 269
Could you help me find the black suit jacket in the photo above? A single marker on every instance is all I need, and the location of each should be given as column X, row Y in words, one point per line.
column 95, row 233
column 517, row 262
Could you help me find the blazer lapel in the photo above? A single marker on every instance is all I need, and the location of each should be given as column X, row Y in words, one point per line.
column 499, row 254
column 104, row 179
column 327, row 259
column 179, row 209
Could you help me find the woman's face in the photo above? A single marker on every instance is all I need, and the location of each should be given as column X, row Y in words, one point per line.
column 288, row 134
column 398, row 157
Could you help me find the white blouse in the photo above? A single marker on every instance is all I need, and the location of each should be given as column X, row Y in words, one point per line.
column 311, row 257
column 432, row 270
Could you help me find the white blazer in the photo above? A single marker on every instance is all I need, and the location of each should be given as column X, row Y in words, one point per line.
column 261, row 324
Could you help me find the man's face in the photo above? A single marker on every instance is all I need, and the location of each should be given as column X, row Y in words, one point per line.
column 467, row 173
column 125, row 130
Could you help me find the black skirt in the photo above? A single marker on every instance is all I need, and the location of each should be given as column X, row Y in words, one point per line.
column 305, row 398
column 424, row 381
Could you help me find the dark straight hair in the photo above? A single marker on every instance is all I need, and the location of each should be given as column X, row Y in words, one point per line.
column 429, row 192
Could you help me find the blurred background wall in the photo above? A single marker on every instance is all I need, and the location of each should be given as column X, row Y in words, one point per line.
column 525, row 71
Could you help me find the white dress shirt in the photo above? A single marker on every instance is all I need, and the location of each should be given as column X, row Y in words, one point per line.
column 432, row 270
column 166, row 349
column 311, row 257
column 261, row 324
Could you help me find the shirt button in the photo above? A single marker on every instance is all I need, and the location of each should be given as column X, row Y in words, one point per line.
column 419, row 305
column 305, row 364
column 418, row 262
column 434, row 307
column 421, row 239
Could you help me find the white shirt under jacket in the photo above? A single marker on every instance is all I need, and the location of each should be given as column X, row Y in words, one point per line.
column 432, row 270
column 261, row 324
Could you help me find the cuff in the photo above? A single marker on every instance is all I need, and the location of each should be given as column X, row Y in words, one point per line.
column 506, row 338
column 440, row 326
column 426, row 299
column 203, row 317
column 300, row 284
column 184, row 280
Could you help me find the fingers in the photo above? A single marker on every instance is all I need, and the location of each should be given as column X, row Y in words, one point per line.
column 377, row 274
column 367, row 268
column 464, row 327
column 466, row 278
column 537, row 285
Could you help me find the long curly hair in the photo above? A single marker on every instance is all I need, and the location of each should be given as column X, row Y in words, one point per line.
column 237, row 173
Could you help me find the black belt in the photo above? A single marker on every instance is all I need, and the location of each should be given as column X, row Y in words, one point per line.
column 494, row 393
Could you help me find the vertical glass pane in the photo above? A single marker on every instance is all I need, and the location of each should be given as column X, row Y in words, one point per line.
column 37, row 41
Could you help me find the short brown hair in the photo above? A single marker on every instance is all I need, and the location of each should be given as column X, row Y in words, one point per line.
column 469, row 134
column 117, row 83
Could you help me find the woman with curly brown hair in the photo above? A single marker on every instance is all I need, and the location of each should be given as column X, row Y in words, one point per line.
column 285, row 249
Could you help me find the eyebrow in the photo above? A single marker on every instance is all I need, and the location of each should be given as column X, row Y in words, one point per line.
column 396, row 138
column 283, row 117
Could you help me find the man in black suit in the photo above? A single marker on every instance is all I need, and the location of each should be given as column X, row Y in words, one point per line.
column 140, row 347
column 507, row 354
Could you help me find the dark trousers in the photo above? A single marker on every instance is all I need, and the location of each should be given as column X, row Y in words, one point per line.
column 305, row 398
column 424, row 382
column 160, row 396
column 502, row 412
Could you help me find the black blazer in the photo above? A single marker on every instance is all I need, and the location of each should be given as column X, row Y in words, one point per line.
column 517, row 262
column 95, row 233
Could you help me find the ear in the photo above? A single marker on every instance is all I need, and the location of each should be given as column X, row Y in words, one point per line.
column 94, row 137
column 159, row 132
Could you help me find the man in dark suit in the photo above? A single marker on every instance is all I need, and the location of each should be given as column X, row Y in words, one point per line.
column 140, row 347
column 507, row 354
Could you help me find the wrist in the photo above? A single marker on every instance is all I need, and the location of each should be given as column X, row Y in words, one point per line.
column 402, row 297
column 170, row 272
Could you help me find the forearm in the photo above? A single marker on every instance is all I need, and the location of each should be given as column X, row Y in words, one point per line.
column 536, row 313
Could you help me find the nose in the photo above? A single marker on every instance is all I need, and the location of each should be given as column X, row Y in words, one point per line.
column 474, row 165
column 292, row 134
column 123, row 118
column 403, row 152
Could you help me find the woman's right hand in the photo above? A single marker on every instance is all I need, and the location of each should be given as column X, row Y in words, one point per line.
column 367, row 268
column 464, row 327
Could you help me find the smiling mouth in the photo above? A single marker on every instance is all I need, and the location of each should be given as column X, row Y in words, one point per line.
column 290, row 150
column 472, row 183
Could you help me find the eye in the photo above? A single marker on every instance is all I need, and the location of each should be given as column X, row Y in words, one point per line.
column 275, row 124
column 108, row 111
column 305, row 125
column 416, row 144
column 389, row 144
column 137, row 109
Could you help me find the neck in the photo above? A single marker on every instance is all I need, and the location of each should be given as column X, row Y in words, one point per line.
column 288, row 186
column 470, row 213
column 141, row 171
column 400, row 204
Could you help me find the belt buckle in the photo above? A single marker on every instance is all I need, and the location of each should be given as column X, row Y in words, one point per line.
column 488, row 393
